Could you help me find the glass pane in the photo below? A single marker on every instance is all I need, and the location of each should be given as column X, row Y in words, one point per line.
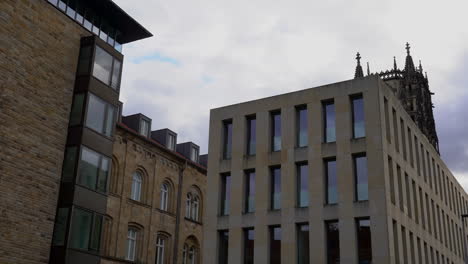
column 358, row 118
column 103, row 174
column 302, row 127
column 77, row 109
column 362, row 190
column 275, row 245
column 227, row 148
column 302, row 183
column 96, row 113
column 276, row 132
column 252, row 136
column 116, row 75
column 60, row 227
column 109, row 120
column 84, row 60
column 54, row 2
column 118, row 46
column 223, row 247
column 330, row 127
column 333, row 242
column 303, row 244
column 89, row 165
column 81, row 229
column 62, row 6
column 102, row 65
column 225, row 193
column 71, row 11
column 250, row 192
column 332, row 184
column 364, row 241
column 96, row 235
column 276, row 188
column 144, row 126
column 249, row 246
column 68, row 169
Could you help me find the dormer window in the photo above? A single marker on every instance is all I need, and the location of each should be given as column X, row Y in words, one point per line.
column 194, row 154
column 144, row 127
column 171, row 142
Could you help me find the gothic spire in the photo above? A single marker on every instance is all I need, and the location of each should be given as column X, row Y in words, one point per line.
column 368, row 69
column 420, row 67
column 394, row 64
column 358, row 73
column 409, row 65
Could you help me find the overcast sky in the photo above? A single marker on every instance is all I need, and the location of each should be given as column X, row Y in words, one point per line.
column 207, row 54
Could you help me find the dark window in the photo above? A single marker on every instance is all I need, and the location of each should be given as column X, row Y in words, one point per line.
column 331, row 181
column 387, row 121
column 100, row 115
column 84, row 61
column 329, row 121
column 251, row 135
column 303, row 244
column 301, row 119
column 223, row 246
column 275, row 245
column 69, row 162
column 85, row 230
column 275, row 131
column 302, row 185
column 76, row 112
column 93, row 170
column 249, row 246
column 361, row 178
column 227, row 139
column 60, row 226
column 249, row 191
column 333, row 242
column 225, row 193
column 359, row 129
column 275, row 198
column 364, row 241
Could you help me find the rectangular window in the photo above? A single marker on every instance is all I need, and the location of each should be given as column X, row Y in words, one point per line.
column 410, row 145
column 303, row 244
column 275, row 185
column 225, row 193
column 404, row 245
column 412, row 252
column 106, row 68
column 249, row 205
column 415, row 203
column 387, row 121
column 275, row 131
column 421, row 206
column 60, row 227
column 76, row 112
column 408, row 196
column 171, row 143
column 364, row 241
column 359, row 129
column 249, row 246
column 400, row 189
column 302, row 185
column 69, row 163
column 227, row 139
column 396, row 244
column 85, row 230
column 144, row 127
column 100, row 115
column 331, row 181
column 417, row 155
column 395, row 130
column 194, row 154
column 251, row 135
column 84, row 60
column 403, row 138
column 275, row 245
column 361, row 177
column 223, row 246
column 333, row 242
column 329, row 121
column 301, row 121
column 392, row 180
column 93, row 170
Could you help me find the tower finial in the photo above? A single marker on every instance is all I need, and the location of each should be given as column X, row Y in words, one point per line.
column 409, row 65
column 368, row 69
column 358, row 72
column 408, row 48
column 394, row 63
column 358, row 58
column 420, row 67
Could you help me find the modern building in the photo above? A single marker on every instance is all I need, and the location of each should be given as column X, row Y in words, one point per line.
column 60, row 76
column 343, row 173
column 155, row 199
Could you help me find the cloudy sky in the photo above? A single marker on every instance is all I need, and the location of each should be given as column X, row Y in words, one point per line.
column 211, row 53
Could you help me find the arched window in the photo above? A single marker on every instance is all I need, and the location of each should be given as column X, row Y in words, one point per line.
column 137, row 181
column 131, row 244
column 184, row 254
column 164, row 196
column 188, row 205
column 160, row 250
column 192, row 255
column 190, row 252
column 195, row 208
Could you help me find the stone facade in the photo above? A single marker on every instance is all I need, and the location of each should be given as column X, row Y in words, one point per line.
column 158, row 165
column 39, row 48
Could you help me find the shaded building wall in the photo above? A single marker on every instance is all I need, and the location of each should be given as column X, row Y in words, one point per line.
column 39, row 47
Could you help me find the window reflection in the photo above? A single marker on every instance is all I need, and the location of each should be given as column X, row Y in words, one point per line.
column 102, row 65
column 358, row 117
column 93, row 170
column 251, row 135
column 302, row 185
column 227, row 138
column 100, row 115
column 303, row 244
column 361, row 178
column 275, row 188
column 301, row 127
column 225, row 193
column 276, row 131
column 249, row 192
column 329, row 121
column 331, row 182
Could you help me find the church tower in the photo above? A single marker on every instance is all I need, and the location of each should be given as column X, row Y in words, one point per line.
column 412, row 88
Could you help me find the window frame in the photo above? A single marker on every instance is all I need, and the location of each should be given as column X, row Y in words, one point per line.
column 272, row 130
column 353, row 98
column 111, row 73
column 98, row 174
column 325, row 122
column 140, row 182
column 92, row 227
column 227, row 130
column 251, row 146
column 299, row 109
column 355, row 177
column 108, row 107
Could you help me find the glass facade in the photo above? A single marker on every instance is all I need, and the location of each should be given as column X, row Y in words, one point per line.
column 251, row 135
column 331, row 180
column 249, row 236
column 359, row 129
column 364, row 241
column 249, row 206
column 302, row 185
column 333, row 242
column 225, row 193
column 301, row 120
column 100, row 115
column 275, row 185
column 275, row 245
column 223, row 246
column 329, row 121
column 93, row 170
column 85, row 230
column 106, row 68
column 361, row 178
column 275, row 131
column 227, row 139
column 303, row 254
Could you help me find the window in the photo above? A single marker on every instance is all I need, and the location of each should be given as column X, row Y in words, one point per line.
column 100, row 115
column 84, row 60
column 249, row 200
column 387, row 121
column 395, row 130
column 301, row 121
column 171, row 142
column 303, row 244
column 194, row 154
column 391, row 179
column 359, row 129
column 195, row 208
column 60, row 227
column 302, row 185
column 251, row 135
column 275, row 245
column 131, row 244
column 227, row 139
column 329, row 121
column 275, row 188
column 184, row 254
column 77, row 109
column 69, row 162
column 331, row 181
column 192, row 255
column 137, row 181
column 144, row 127
column 275, row 131
column 93, row 170
column 164, row 197
column 249, row 246
column 85, row 230
column 160, row 250
column 106, row 68
column 403, row 138
column 223, row 245
column 188, row 205
column 364, row 241
column 361, row 178
column 225, row 193
column 333, row 242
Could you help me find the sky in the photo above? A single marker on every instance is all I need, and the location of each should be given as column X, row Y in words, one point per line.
column 211, row 53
